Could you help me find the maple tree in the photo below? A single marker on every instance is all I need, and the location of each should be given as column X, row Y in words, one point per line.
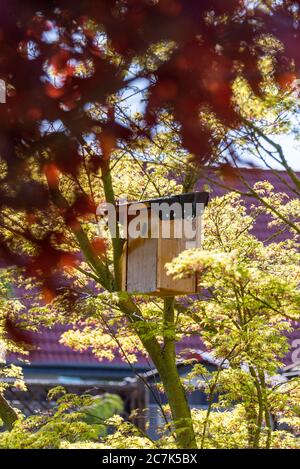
column 249, row 297
column 67, row 140
column 60, row 62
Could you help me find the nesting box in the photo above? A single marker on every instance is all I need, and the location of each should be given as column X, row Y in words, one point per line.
column 157, row 230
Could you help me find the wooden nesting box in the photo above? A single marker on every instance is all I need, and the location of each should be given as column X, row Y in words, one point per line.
column 162, row 236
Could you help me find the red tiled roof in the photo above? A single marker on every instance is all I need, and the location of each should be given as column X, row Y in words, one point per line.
column 50, row 351
column 252, row 176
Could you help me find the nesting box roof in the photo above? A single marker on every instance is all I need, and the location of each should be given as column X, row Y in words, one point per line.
column 193, row 198
column 190, row 197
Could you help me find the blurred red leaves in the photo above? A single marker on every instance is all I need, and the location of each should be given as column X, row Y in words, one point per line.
column 60, row 63
column 110, row 133
column 53, row 91
column 67, row 260
column 83, row 206
column 34, row 114
column 99, row 246
column 170, row 7
column 29, row 195
column 229, row 174
column 286, row 80
column 52, row 173
column 48, row 295
column 16, row 334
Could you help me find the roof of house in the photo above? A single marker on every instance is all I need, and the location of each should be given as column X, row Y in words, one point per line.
column 49, row 350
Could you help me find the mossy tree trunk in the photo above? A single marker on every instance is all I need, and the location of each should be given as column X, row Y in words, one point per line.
column 163, row 357
column 8, row 414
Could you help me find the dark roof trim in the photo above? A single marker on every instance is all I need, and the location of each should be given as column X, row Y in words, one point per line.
column 191, row 198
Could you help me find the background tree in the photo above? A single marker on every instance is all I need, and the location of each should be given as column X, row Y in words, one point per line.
column 251, row 295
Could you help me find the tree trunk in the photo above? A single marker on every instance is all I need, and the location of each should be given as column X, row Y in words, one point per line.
column 7, row 413
column 164, row 360
column 180, row 409
column 176, row 395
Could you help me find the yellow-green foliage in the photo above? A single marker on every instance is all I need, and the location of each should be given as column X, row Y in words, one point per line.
column 73, row 420
column 249, row 296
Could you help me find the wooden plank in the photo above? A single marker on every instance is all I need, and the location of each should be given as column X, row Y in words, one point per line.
column 141, row 268
column 144, row 259
column 124, row 267
column 167, row 250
